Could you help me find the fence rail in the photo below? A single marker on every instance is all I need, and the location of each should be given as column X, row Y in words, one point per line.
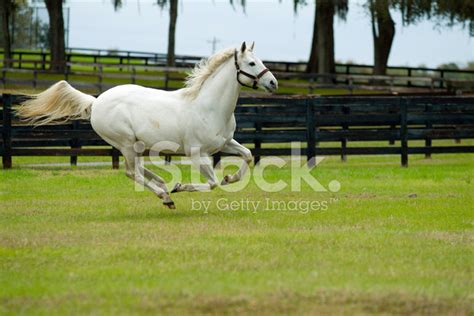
column 100, row 77
column 326, row 125
column 350, row 75
column 283, row 66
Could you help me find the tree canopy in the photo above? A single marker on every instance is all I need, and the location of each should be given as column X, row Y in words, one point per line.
column 454, row 12
column 341, row 7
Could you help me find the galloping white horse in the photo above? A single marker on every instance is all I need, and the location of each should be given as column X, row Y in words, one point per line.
column 201, row 115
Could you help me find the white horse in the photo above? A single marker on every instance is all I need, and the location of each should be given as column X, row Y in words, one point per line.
column 201, row 115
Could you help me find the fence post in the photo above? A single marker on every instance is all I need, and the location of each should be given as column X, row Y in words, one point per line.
column 409, row 75
column 100, row 79
column 7, row 131
column 134, row 75
column 67, row 69
column 310, row 86
column 166, row 79
column 348, row 72
column 35, row 77
column 115, row 158
column 351, row 85
column 43, row 61
column 74, row 143
column 441, row 82
column 66, row 72
column 4, row 77
column 392, row 128
column 345, row 128
column 428, row 141
column 310, row 133
column 404, row 130
column 257, row 142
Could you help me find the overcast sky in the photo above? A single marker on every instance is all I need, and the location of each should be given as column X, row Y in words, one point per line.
column 279, row 34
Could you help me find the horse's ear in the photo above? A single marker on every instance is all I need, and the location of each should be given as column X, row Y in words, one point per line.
column 252, row 46
column 243, row 48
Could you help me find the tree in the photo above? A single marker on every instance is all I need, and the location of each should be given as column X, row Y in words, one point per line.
column 322, row 55
column 383, row 32
column 117, row 4
column 6, row 8
column 455, row 12
column 56, row 35
column 170, row 57
column 383, row 26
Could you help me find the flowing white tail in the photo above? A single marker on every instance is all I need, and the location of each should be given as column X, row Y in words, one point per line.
column 58, row 104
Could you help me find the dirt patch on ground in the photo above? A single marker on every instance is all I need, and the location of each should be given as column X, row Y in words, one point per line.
column 450, row 237
column 331, row 303
column 320, row 303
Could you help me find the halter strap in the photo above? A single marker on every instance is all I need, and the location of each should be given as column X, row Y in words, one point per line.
column 254, row 78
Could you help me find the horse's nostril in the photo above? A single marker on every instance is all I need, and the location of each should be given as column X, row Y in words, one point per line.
column 272, row 82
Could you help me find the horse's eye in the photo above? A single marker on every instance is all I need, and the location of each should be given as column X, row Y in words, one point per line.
column 252, row 63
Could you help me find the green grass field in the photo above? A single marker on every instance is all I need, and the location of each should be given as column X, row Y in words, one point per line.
column 392, row 240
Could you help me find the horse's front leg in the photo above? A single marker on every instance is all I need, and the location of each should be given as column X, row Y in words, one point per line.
column 233, row 147
column 206, row 169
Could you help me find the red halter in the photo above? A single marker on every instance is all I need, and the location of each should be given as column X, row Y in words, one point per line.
column 254, row 78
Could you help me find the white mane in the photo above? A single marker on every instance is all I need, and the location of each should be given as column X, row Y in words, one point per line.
column 203, row 70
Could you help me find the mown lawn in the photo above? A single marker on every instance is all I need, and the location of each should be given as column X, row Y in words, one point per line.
column 392, row 240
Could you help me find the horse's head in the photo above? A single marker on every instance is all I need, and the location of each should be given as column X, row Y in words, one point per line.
column 251, row 72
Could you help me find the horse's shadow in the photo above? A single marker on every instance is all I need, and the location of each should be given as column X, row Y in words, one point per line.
column 157, row 213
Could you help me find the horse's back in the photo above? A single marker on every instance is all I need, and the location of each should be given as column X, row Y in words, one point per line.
column 129, row 112
column 135, row 95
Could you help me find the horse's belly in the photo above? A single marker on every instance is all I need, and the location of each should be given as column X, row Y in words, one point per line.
column 160, row 131
column 215, row 146
column 208, row 142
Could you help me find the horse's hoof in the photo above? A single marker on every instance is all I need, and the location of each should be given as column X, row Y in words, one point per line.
column 169, row 205
column 176, row 187
column 225, row 180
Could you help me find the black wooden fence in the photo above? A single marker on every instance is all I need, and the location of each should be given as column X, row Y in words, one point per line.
column 148, row 58
column 324, row 125
column 347, row 76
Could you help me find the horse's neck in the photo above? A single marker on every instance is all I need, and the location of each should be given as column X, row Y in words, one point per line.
column 219, row 94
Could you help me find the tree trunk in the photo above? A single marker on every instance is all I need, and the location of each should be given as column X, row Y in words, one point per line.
column 56, row 35
column 312, row 66
column 5, row 10
column 383, row 31
column 172, row 33
column 325, row 29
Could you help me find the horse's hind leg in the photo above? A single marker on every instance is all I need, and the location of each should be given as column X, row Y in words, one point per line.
column 136, row 172
column 206, row 169
column 153, row 176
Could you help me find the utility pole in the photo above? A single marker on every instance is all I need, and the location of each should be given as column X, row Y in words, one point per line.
column 214, row 42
